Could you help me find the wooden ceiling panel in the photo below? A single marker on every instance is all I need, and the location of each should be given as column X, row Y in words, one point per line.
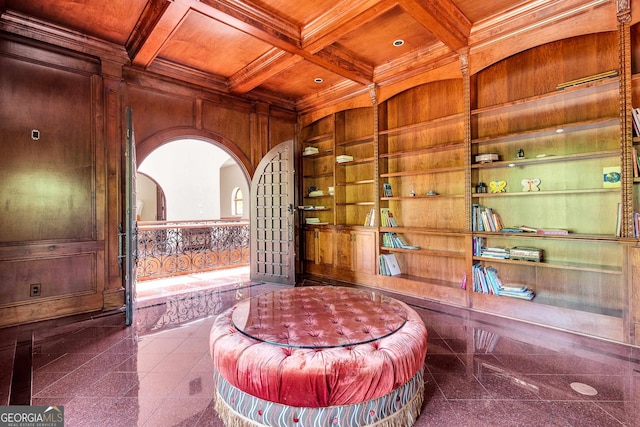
column 299, row 13
column 111, row 20
column 478, row 10
column 373, row 42
column 297, row 82
column 211, row 46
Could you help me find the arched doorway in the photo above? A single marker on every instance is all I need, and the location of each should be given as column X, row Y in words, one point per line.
column 198, row 178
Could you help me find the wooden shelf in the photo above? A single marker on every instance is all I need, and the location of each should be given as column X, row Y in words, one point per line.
column 551, row 130
column 318, row 138
column 607, row 269
column 434, row 148
column 436, row 197
column 548, row 158
column 440, row 121
column 369, row 203
column 570, row 236
column 360, row 182
column 320, row 175
column 320, row 154
column 547, row 99
column 423, row 172
column 427, row 231
column 546, row 192
column 427, row 252
column 364, row 140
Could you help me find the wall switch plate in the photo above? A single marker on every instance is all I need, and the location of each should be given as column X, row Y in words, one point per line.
column 35, row 290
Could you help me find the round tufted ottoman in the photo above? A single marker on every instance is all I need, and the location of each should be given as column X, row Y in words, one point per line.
column 319, row 356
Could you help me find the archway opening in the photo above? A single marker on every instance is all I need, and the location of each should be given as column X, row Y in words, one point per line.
column 194, row 195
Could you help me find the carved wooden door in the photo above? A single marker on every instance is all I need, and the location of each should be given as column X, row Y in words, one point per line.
column 273, row 217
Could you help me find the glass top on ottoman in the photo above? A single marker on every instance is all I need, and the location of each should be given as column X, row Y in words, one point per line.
column 319, row 317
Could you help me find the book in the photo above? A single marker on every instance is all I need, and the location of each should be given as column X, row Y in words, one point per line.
column 370, row 219
column 386, row 218
column 386, row 190
column 619, row 221
column 545, row 231
column 389, row 265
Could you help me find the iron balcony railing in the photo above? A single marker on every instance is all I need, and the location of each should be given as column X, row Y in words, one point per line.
column 168, row 248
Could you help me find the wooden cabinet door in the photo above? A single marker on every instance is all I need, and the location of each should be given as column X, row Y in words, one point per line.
column 344, row 250
column 364, row 252
column 324, row 246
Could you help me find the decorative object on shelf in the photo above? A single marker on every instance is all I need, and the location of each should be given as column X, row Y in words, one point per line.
column 611, row 177
column 431, row 192
column 386, row 190
column 331, row 191
column 487, row 158
column 498, row 186
column 481, row 187
column 412, row 191
column 530, row 184
column 520, row 154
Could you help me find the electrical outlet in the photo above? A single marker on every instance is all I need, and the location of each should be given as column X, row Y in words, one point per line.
column 36, row 289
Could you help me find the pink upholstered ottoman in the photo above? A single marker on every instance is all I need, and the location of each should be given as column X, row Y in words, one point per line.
column 325, row 356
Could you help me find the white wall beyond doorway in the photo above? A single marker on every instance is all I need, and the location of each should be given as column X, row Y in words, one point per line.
column 194, row 181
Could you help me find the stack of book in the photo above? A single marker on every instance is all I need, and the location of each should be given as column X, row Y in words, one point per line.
column 485, row 219
column 389, row 265
column 316, row 193
column 312, row 220
column 370, row 219
column 486, row 281
column 394, row 240
column 499, row 253
column 344, row 158
column 386, row 218
column 310, row 150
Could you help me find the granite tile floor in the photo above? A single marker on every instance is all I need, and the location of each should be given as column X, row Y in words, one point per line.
column 479, row 370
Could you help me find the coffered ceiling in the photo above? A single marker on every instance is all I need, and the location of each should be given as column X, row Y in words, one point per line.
column 293, row 50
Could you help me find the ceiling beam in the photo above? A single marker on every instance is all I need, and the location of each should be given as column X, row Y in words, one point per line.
column 341, row 19
column 260, row 70
column 442, row 18
column 154, row 27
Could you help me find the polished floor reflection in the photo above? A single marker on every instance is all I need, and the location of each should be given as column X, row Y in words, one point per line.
column 479, row 370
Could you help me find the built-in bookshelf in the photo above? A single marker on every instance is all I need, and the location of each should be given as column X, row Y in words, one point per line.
column 422, row 182
column 355, row 165
column 539, row 145
column 547, row 154
column 318, row 172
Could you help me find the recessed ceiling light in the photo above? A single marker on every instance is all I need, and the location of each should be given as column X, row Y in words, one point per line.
column 318, row 80
column 398, row 43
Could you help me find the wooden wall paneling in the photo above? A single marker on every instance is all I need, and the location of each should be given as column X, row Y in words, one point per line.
column 53, row 187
